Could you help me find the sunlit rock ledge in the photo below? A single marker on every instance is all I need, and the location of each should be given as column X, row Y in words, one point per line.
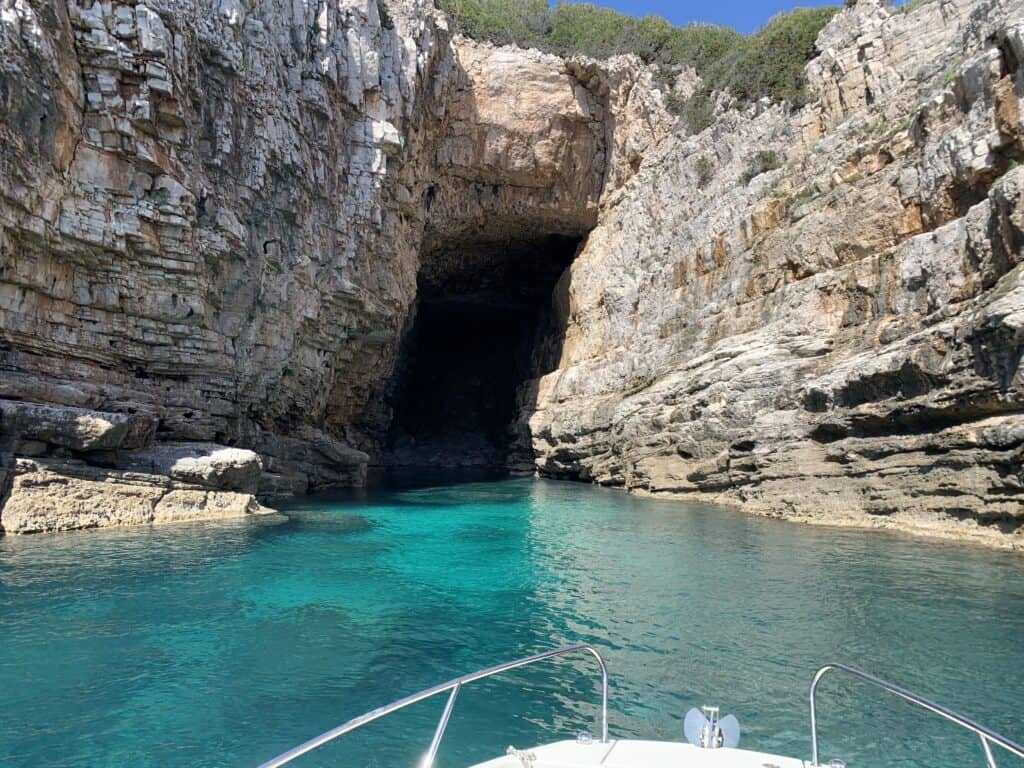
column 49, row 496
column 91, row 469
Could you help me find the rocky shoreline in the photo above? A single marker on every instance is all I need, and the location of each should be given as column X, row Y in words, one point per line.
column 836, row 338
column 914, row 524
column 70, row 468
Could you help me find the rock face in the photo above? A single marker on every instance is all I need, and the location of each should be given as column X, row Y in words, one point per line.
column 212, row 216
column 77, row 429
column 211, row 466
column 216, row 222
column 839, row 339
column 194, row 224
column 91, row 470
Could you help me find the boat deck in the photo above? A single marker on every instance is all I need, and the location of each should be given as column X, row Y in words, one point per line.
column 641, row 754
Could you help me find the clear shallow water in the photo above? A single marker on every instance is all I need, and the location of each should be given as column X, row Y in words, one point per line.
column 226, row 644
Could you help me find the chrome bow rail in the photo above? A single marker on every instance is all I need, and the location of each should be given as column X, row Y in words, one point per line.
column 454, row 686
column 987, row 736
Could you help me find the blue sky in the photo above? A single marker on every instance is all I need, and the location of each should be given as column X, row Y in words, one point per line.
column 744, row 15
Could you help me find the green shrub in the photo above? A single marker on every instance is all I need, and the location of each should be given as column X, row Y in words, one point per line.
column 764, row 161
column 587, row 29
column 771, row 61
column 698, row 45
column 768, row 63
column 525, row 22
column 697, row 111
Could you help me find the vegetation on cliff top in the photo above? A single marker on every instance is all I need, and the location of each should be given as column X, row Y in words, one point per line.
column 768, row 63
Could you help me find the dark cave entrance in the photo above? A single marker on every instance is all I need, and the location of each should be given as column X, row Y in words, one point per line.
column 487, row 319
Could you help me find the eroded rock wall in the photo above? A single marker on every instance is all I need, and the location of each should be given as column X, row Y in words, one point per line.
column 839, row 338
column 212, row 215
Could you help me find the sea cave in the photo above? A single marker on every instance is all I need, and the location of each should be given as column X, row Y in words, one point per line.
column 488, row 319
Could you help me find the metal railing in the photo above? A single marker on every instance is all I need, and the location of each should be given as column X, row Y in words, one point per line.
column 988, row 737
column 454, row 686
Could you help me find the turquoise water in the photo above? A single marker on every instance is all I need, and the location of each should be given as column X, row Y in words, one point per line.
column 221, row 645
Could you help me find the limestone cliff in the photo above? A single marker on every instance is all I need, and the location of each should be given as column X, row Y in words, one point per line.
column 839, row 338
column 212, row 216
column 216, row 219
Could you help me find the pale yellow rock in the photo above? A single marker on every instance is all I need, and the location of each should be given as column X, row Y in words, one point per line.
column 59, row 496
column 43, row 500
column 185, row 505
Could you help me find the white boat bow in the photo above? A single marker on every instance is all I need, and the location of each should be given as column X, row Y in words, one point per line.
column 712, row 741
column 628, row 753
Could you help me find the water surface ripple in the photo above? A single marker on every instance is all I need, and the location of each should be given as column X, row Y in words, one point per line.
column 221, row 645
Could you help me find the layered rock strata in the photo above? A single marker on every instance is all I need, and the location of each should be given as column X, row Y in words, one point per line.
column 837, row 338
column 212, row 215
column 78, row 468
